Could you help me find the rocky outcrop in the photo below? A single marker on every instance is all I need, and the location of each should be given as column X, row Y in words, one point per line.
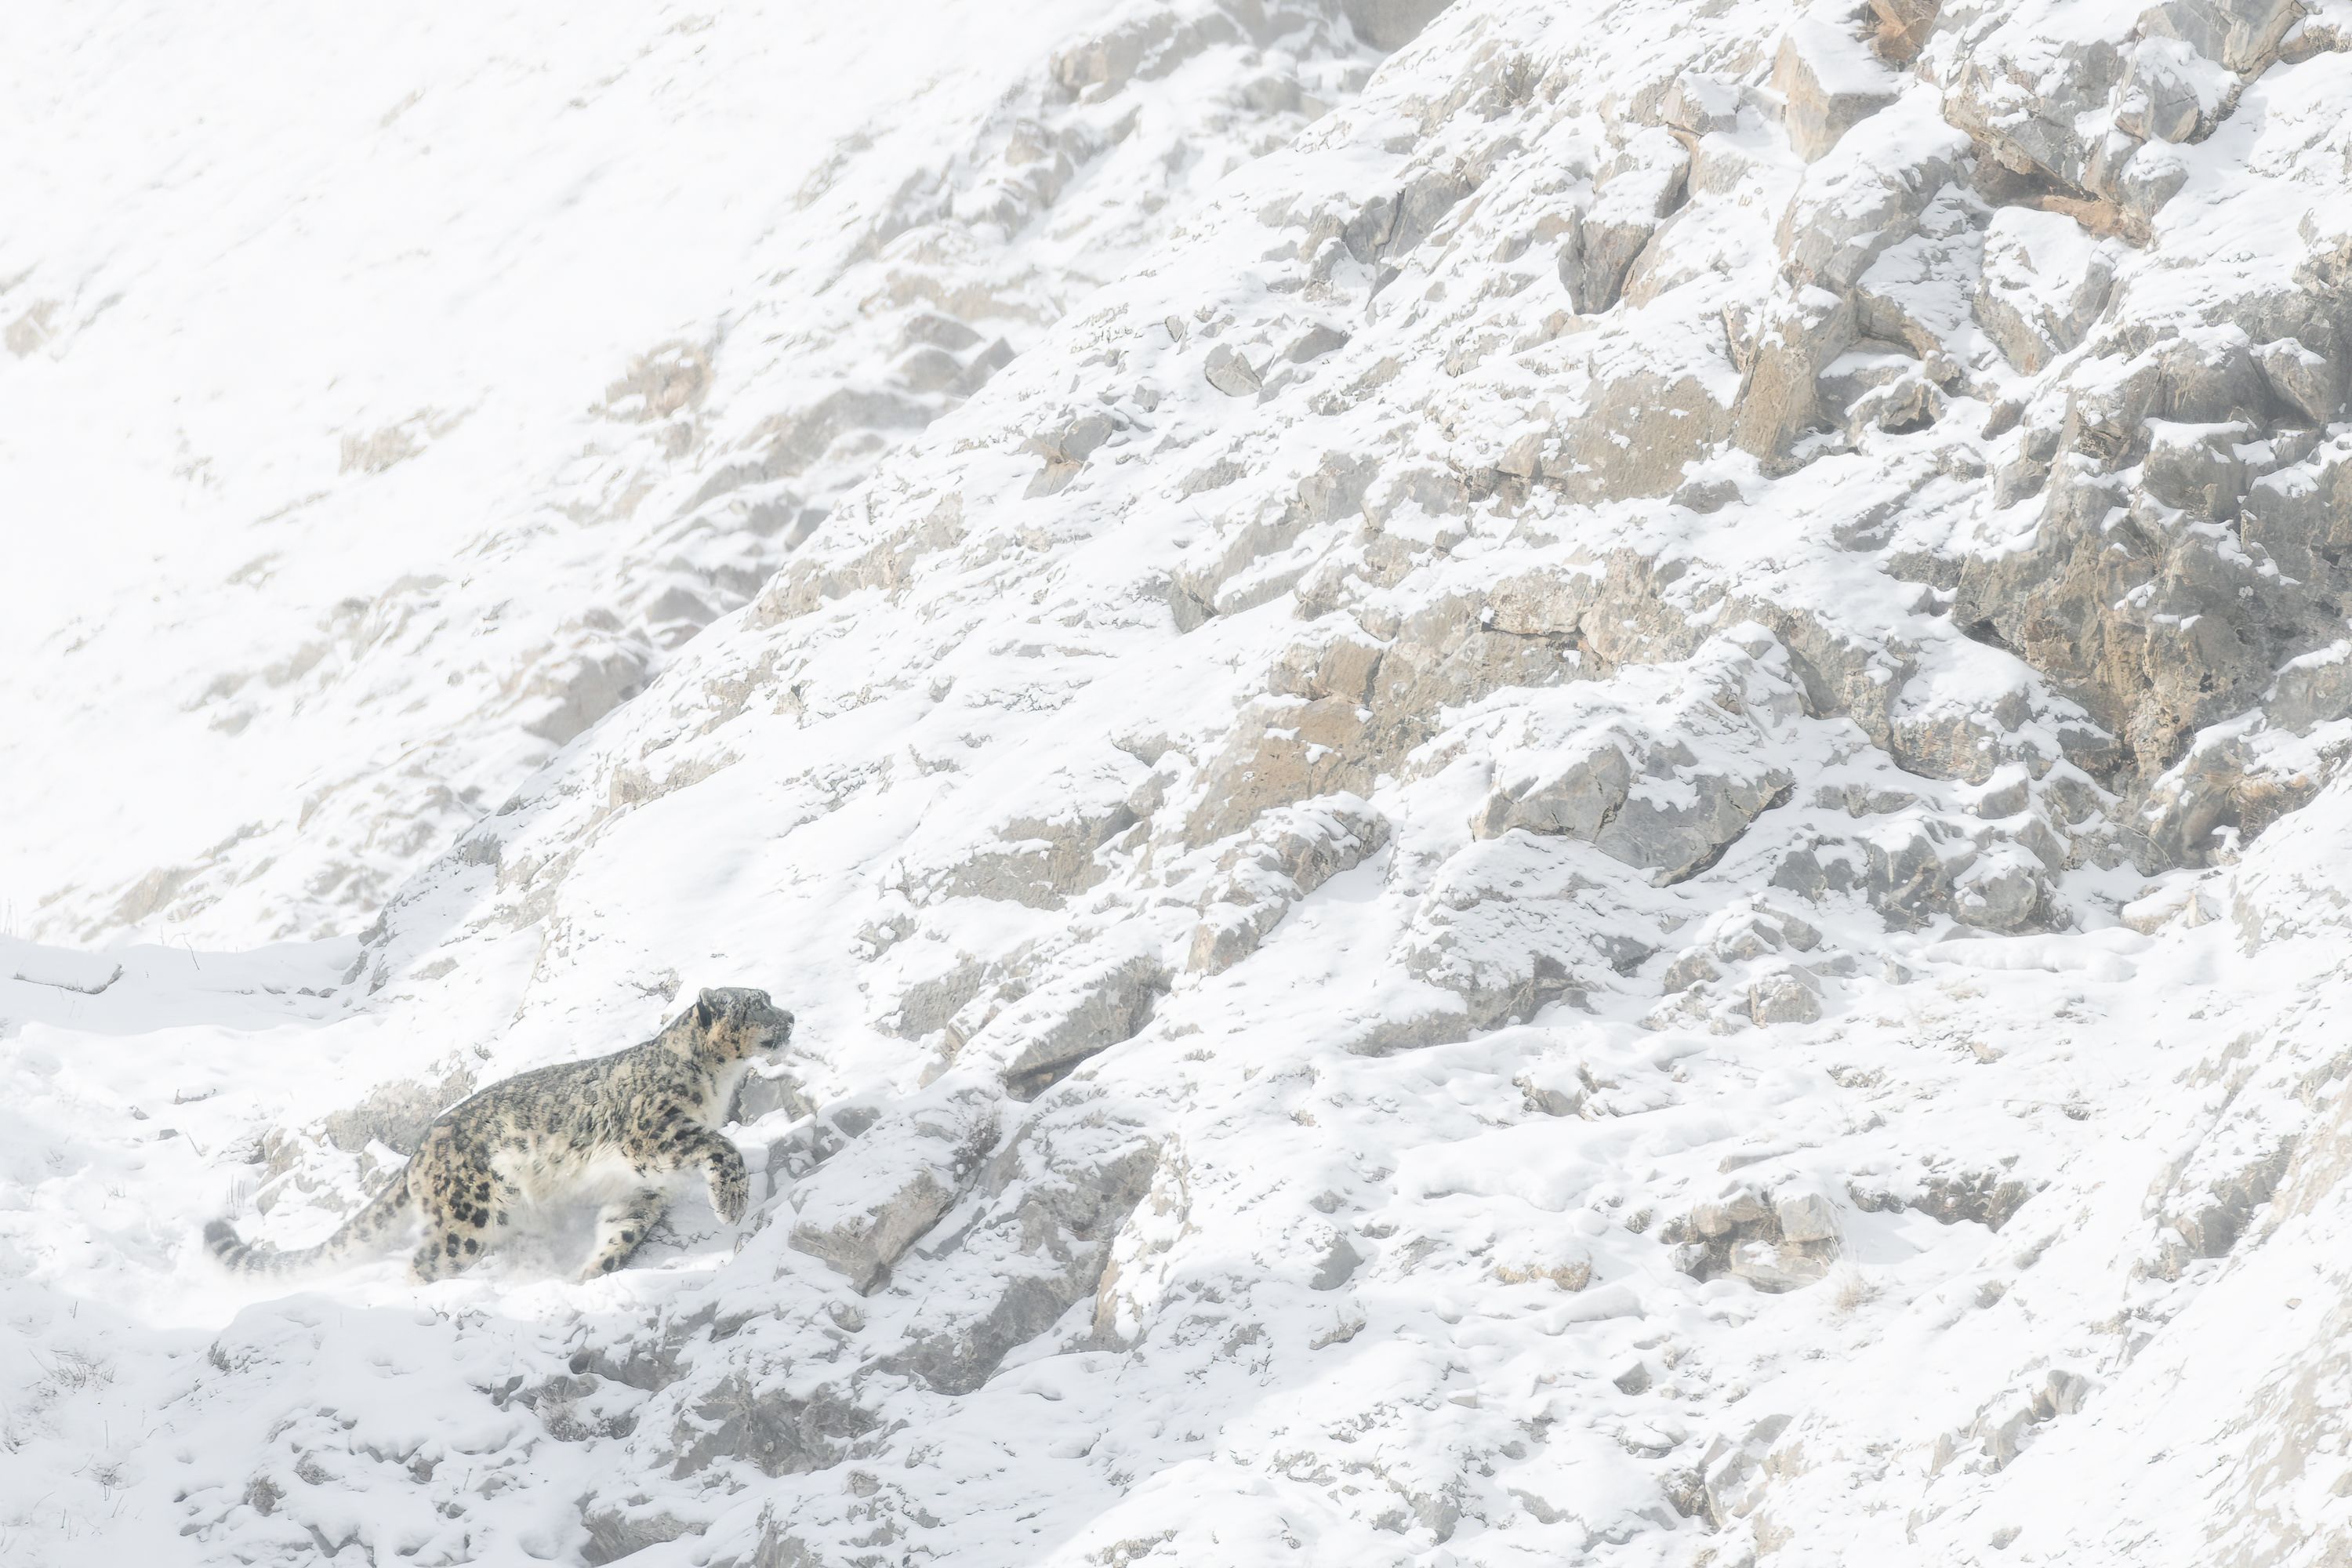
column 862, row 1210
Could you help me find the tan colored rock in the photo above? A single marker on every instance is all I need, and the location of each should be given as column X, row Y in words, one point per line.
column 1639, row 189
column 1779, row 397
column 2312, row 690
column 1342, row 660
column 1693, row 968
column 1284, row 749
column 1829, row 82
column 1903, row 27
column 1701, row 103
column 1806, row 1217
column 2041, row 129
column 1288, row 853
column 1633, row 438
column 1222, row 575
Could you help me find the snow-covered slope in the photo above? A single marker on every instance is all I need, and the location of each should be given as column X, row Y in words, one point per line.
column 379, row 421
column 1599, row 825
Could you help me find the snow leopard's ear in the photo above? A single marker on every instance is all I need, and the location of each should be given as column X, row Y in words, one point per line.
column 705, row 1011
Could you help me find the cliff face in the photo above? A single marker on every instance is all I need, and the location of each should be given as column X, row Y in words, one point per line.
column 1592, row 816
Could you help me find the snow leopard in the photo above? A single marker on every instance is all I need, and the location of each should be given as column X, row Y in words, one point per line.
column 614, row 1131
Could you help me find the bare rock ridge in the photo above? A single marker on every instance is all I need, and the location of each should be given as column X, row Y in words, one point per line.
column 1601, row 825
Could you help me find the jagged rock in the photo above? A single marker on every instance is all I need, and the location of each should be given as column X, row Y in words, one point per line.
column 1084, row 1010
column 1340, row 661
column 1989, row 1198
column 1682, row 826
column 2314, row 688
column 1951, row 742
column 864, row 1207
column 1103, row 64
column 1231, row 374
column 615, row 1532
column 1638, row 431
column 1314, row 343
column 1702, row 103
column 1806, row 1217
column 1775, row 1270
column 2311, row 383
column 772, row 1429
column 1577, row 798
column 1693, row 968
column 803, row 1148
column 1390, row 226
column 761, row 1095
column 1067, row 448
column 2168, row 94
column 2151, row 912
column 2301, row 516
column 1288, row 854
column 1852, row 206
column 1287, row 750
column 1038, row 861
column 1790, row 997
column 1731, row 1469
column 2196, row 467
column 2145, row 624
column 2242, row 34
column 1224, row 577
column 583, row 688
column 1903, row 27
column 1337, row 1267
column 2040, row 128
column 2207, row 1216
column 1640, row 186
column 1553, row 1088
column 1778, row 395
column 1058, row 1200
column 2044, row 283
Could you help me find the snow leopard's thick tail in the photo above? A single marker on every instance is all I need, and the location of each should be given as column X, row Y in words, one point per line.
column 363, row 1230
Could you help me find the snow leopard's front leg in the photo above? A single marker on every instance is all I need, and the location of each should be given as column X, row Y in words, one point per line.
column 667, row 1136
column 731, row 1179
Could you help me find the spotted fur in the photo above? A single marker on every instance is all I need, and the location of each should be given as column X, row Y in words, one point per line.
column 613, row 1130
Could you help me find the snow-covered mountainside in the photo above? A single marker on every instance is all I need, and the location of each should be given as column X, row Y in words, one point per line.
column 1558, row 784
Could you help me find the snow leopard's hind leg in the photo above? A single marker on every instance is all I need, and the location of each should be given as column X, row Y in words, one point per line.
column 621, row 1228
column 464, row 1203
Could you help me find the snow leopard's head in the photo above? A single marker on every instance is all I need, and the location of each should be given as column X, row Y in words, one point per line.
column 729, row 1024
